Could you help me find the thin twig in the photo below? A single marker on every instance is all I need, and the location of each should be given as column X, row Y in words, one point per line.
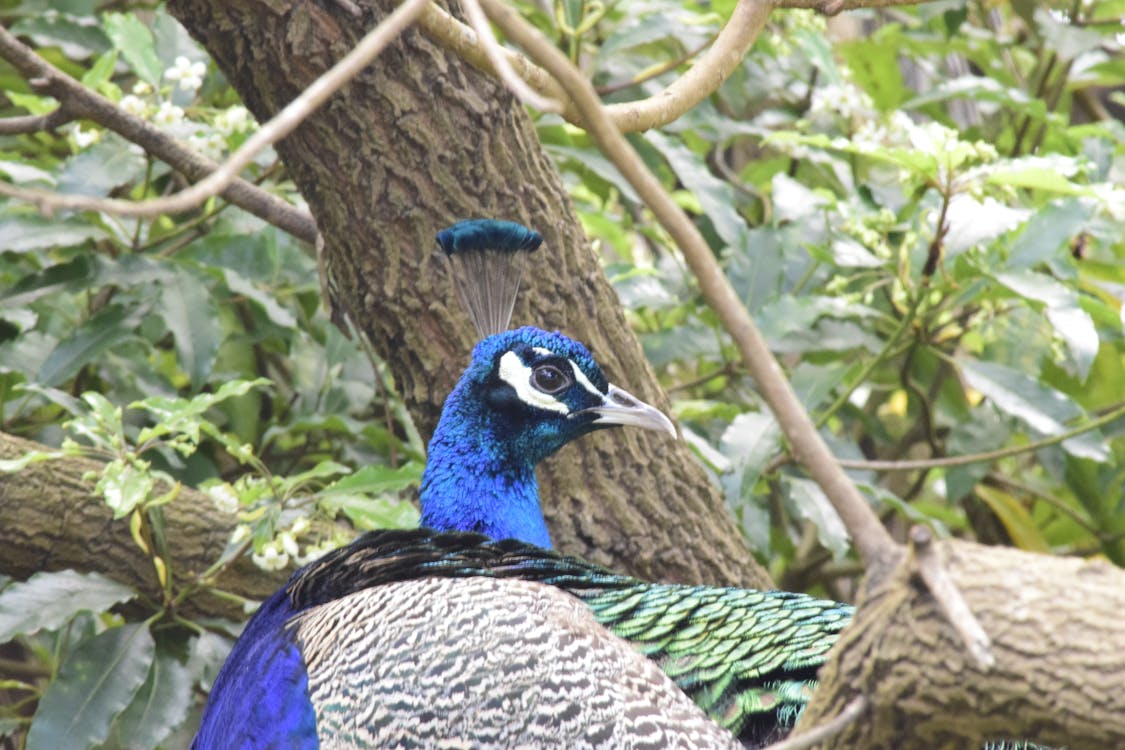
column 696, row 84
column 949, row 461
column 81, row 102
column 500, row 64
column 841, row 721
column 872, row 540
column 281, row 125
column 35, row 123
column 949, row 598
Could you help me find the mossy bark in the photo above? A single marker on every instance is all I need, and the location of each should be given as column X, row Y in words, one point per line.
column 417, row 141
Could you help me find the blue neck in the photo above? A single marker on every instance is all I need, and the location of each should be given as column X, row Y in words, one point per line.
column 476, row 482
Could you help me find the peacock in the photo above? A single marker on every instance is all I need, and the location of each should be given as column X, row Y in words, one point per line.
column 472, row 631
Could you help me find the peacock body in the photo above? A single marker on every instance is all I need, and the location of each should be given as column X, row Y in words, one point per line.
column 446, row 637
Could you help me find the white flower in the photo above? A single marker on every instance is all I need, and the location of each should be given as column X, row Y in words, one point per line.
column 271, row 558
column 84, row 138
column 234, row 120
column 288, row 543
column 188, row 73
column 141, row 88
column 210, row 145
column 134, row 105
column 300, row 526
column 224, row 497
column 168, row 114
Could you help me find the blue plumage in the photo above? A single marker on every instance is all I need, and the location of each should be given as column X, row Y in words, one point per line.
column 480, row 469
column 260, row 698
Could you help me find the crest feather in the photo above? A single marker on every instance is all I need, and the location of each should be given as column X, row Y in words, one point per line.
column 488, row 256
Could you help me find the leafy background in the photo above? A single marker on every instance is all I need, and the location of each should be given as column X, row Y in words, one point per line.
column 922, row 207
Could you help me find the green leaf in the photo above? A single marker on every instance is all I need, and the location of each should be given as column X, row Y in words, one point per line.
column 101, row 71
column 1071, row 323
column 239, row 284
column 747, row 444
column 1043, row 409
column 96, row 682
column 370, row 513
column 124, row 487
column 1019, row 524
column 103, row 167
column 135, row 41
column 87, row 342
column 717, row 197
column 47, row 600
column 808, row 502
column 160, row 705
column 189, row 312
column 1048, row 230
column 1038, row 178
column 23, row 233
column 372, row 480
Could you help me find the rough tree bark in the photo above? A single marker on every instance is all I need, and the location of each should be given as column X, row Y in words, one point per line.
column 420, row 140
column 1057, row 639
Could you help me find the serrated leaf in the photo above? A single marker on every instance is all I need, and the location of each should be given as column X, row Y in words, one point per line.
column 87, row 342
column 137, row 46
column 160, row 705
column 189, row 312
column 809, row 503
column 47, row 600
column 98, row 679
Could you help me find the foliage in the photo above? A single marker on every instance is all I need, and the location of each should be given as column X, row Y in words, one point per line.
column 924, row 217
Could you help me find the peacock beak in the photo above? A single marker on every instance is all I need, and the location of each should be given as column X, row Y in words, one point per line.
column 621, row 407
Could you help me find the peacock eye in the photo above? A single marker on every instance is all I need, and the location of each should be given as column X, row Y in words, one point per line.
column 549, row 379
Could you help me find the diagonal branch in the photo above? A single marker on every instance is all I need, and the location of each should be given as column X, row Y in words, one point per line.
column 77, row 101
column 34, row 123
column 281, row 125
column 872, row 540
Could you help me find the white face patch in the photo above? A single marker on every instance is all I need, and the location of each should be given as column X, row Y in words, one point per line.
column 543, row 352
column 518, row 375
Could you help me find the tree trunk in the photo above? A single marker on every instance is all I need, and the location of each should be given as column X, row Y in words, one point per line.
column 417, row 141
column 1057, row 638
column 52, row 521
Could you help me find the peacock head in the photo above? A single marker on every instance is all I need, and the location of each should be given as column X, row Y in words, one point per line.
column 526, row 393
column 538, row 390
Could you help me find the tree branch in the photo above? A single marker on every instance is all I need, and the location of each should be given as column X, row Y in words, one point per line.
column 80, row 102
column 699, row 82
column 52, row 521
column 35, row 123
column 1058, row 641
column 279, row 126
column 871, row 539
